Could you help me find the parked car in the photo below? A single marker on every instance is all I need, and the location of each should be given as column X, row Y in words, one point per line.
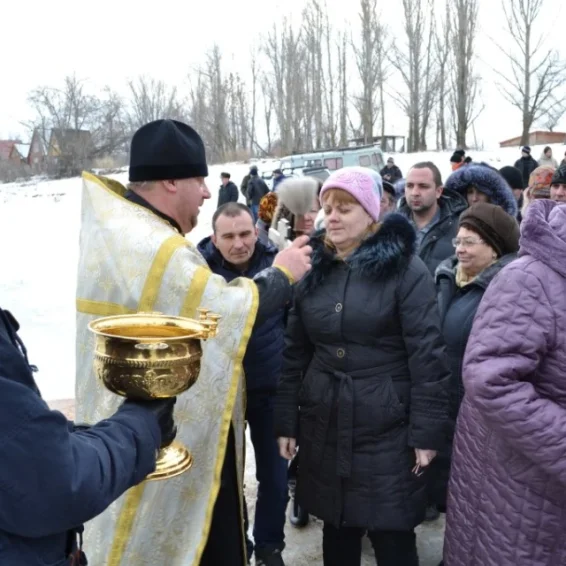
column 332, row 159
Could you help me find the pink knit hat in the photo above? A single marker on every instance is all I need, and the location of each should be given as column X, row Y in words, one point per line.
column 361, row 182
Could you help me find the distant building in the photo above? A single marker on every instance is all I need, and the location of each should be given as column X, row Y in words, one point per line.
column 539, row 137
column 7, row 149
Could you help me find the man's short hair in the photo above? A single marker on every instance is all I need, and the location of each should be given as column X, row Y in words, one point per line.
column 225, row 175
column 436, row 175
column 230, row 209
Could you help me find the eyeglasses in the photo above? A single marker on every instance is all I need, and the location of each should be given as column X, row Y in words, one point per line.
column 466, row 242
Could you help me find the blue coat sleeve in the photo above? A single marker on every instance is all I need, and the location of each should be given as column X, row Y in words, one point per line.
column 53, row 479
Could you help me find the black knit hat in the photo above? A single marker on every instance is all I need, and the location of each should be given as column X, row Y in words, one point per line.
column 559, row 177
column 494, row 226
column 458, row 156
column 166, row 149
column 513, row 177
column 526, row 149
column 389, row 188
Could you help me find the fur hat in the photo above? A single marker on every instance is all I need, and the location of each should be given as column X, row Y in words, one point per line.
column 364, row 184
column 540, row 180
column 513, row 177
column 494, row 226
column 487, row 180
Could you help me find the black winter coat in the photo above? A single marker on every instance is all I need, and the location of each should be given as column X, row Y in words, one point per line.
column 228, row 193
column 365, row 362
column 526, row 166
column 457, row 308
column 437, row 244
column 256, row 190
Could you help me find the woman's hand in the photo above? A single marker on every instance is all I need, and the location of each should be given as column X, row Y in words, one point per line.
column 424, row 457
column 287, row 447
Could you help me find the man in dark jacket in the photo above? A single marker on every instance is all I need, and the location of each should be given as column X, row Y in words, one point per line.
column 433, row 212
column 526, row 165
column 234, row 251
column 278, row 178
column 228, row 190
column 55, row 476
column 391, row 172
column 257, row 189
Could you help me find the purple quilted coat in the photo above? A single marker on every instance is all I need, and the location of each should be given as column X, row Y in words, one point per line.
column 507, row 493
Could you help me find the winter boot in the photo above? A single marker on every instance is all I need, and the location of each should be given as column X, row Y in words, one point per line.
column 268, row 557
column 432, row 513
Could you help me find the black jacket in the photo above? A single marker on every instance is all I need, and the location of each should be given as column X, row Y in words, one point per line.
column 228, row 193
column 262, row 362
column 256, row 190
column 53, row 478
column 526, row 166
column 364, row 360
column 437, row 244
column 457, row 308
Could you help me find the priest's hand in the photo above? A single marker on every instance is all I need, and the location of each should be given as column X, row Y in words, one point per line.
column 287, row 447
column 296, row 259
column 162, row 409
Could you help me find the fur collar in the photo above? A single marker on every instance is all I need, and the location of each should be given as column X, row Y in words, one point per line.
column 381, row 256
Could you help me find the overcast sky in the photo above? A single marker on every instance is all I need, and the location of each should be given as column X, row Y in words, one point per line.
column 110, row 41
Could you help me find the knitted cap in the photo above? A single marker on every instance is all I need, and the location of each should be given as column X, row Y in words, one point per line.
column 559, row 177
column 526, row 149
column 494, row 226
column 540, row 180
column 364, row 184
column 513, row 177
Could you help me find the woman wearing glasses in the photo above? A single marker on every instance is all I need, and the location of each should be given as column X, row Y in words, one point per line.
column 487, row 240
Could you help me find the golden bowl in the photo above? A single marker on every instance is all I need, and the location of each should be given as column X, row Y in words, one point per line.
column 149, row 356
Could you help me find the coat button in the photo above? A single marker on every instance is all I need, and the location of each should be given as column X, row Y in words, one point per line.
column 340, row 352
column 338, row 307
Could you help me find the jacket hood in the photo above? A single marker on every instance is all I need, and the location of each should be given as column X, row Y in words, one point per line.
column 450, row 202
column 487, row 180
column 381, row 256
column 543, row 234
column 448, row 269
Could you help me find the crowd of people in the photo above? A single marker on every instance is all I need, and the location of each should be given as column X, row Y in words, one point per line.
column 404, row 351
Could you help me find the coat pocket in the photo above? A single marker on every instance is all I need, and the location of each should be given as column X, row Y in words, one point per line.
column 378, row 405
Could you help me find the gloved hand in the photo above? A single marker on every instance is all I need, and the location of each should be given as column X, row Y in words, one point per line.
column 163, row 411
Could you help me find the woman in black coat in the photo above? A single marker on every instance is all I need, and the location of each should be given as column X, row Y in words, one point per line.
column 365, row 362
column 487, row 241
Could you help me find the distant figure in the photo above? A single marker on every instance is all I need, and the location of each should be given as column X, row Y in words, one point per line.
column 388, row 200
column 547, row 159
column 391, row 172
column 256, row 190
column 526, row 165
column 558, row 185
column 458, row 159
column 244, row 185
column 278, row 177
column 563, row 162
column 228, row 190
column 514, row 179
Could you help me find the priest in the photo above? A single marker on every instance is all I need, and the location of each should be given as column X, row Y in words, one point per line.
column 134, row 257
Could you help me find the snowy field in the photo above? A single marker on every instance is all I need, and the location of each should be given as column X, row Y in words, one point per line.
column 39, row 231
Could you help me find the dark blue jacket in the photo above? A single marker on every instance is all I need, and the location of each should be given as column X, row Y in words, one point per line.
column 262, row 362
column 52, row 478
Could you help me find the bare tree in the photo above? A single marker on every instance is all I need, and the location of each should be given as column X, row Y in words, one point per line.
column 464, row 19
column 443, row 50
column 152, row 99
column 418, row 69
column 555, row 112
column 342, row 51
column 370, row 65
column 535, row 75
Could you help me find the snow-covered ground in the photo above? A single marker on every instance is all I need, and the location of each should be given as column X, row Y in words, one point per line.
column 39, row 232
